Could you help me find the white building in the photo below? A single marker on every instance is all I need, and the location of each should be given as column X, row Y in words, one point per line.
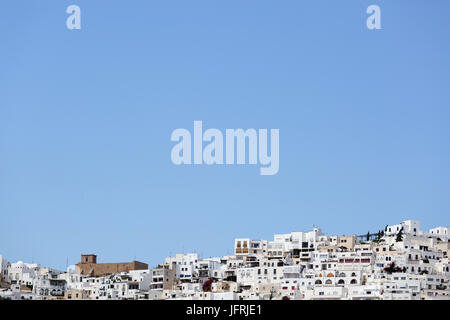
column 4, row 265
column 187, row 265
column 22, row 273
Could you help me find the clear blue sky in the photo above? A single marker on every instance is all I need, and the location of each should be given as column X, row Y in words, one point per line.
column 86, row 118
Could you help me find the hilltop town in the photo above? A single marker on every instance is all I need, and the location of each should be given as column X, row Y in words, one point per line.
column 399, row 262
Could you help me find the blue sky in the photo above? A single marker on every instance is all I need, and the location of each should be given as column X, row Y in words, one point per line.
column 86, row 117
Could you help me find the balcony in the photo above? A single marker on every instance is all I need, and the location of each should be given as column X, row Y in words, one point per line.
column 203, row 273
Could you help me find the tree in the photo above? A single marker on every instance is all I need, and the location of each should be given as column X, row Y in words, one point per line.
column 272, row 291
column 391, row 268
column 399, row 236
column 207, row 285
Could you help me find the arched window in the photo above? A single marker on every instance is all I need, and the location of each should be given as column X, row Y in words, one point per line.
column 328, row 281
column 318, row 282
column 330, row 275
column 353, row 281
column 342, row 275
column 353, row 274
column 341, row 281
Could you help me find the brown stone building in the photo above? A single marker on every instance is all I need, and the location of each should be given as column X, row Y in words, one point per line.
column 89, row 266
column 347, row 242
column 164, row 276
